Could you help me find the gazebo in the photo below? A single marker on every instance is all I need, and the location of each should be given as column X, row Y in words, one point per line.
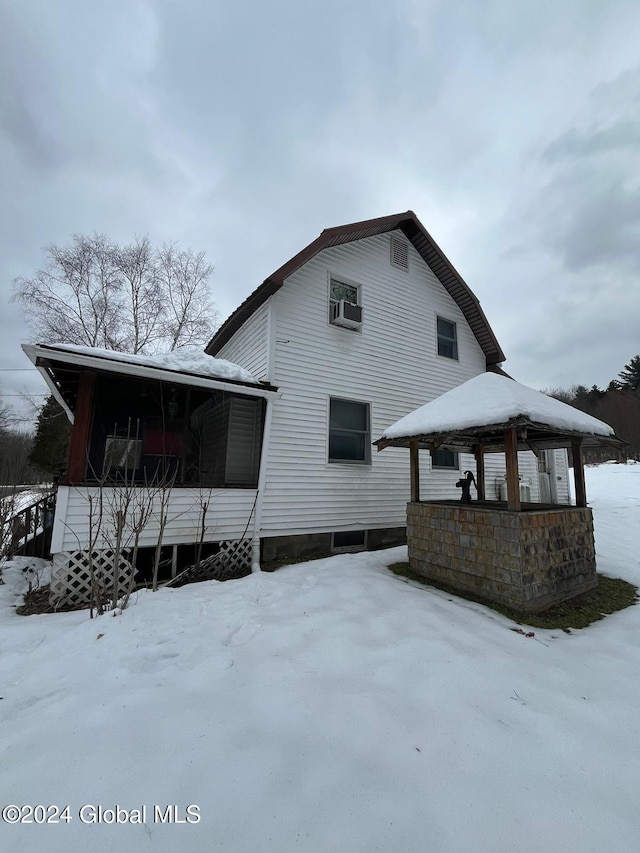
column 525, row 555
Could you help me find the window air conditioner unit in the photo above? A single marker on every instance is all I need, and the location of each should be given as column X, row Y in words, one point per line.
column 345, row 314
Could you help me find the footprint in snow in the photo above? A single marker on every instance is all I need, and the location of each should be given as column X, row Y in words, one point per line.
column 309, row 582
column 242, row 634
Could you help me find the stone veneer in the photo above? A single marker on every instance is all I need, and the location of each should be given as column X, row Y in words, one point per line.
column 527, row 560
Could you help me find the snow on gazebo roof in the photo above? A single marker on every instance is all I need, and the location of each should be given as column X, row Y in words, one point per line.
column 490, row 400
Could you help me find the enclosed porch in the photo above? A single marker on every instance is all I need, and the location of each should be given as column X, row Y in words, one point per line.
column 164, row 466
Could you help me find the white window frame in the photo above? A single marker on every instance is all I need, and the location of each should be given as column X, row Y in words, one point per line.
column 455, row 357
column 331, row 276
column 367, row 444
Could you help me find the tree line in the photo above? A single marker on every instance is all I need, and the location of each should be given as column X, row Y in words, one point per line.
column 617, row 405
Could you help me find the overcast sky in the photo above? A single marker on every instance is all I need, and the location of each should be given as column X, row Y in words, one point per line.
column 512, row 129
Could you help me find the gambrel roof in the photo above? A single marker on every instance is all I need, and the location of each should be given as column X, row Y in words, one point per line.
column 424, row 244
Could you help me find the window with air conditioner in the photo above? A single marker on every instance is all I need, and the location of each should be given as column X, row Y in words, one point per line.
column 345, row 309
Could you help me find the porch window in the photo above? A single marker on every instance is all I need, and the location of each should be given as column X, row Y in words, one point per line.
column 447, row 338
column 349, row 431
column 210, row 438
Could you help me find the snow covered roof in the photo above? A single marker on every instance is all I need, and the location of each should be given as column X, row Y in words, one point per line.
column 488, row 403
column 190, row 360
column 185, row 366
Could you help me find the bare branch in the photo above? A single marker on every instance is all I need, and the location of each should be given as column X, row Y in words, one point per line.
column 131, row 298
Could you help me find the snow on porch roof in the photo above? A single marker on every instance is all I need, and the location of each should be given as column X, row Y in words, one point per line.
column 186, row 366
column 490, row 400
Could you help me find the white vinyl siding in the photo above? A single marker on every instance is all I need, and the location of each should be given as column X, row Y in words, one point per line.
column 392, row 364
column 243, row 442
column 249, row 347
column 227, row 516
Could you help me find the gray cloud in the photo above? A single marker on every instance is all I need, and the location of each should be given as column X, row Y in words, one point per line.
column 244, row 129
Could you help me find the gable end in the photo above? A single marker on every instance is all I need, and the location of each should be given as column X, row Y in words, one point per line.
column 424, row 244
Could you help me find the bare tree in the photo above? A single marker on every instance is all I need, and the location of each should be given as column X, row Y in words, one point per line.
column 183, row 278
column 131, row 298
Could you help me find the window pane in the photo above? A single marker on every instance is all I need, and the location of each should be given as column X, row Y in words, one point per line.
column 343, row 414
column 447, row 339
column 347, row 445
column 340, row 290
column 348, row 431
column 446, row 329
column 349, row 539
column 444, row 459
column 446, row 348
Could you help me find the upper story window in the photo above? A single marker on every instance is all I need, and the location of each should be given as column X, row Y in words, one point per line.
column 447, row 338
column 349, row 431
column 344, row 304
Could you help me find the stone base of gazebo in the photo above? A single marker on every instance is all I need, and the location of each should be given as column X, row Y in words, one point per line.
column 527, row 560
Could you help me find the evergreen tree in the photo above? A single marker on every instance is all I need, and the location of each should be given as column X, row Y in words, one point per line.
column 630, row 376
column 51, row 442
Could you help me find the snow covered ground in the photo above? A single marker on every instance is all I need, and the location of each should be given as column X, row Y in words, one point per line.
column 330, row 706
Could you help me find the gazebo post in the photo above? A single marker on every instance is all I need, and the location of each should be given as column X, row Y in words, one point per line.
column 414, row 462
column 479, row 455
column 578, row 472
column 513, row 479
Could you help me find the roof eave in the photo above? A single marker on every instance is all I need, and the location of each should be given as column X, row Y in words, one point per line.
column 490, row 437
column 40, row 353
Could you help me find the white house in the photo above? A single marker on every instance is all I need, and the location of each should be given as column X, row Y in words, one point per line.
column 361, row 326
column 262, row 447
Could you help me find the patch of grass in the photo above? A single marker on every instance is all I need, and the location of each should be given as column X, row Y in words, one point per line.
column 611, row 595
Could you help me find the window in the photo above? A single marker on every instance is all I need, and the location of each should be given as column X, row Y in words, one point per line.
column 349, row 431
column 447, row 339
column 344, row 304
column 349, row 540
column 340, row 290
column 445, row 459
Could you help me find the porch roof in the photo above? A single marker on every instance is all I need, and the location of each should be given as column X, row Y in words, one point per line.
column 61, row 365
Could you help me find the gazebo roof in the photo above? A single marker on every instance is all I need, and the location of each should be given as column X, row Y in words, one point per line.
column 481, row 409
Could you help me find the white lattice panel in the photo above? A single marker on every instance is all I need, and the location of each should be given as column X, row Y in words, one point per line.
column 71, row 580
column 233, row 560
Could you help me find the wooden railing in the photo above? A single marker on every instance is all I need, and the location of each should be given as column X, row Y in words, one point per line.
column 31, row 527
